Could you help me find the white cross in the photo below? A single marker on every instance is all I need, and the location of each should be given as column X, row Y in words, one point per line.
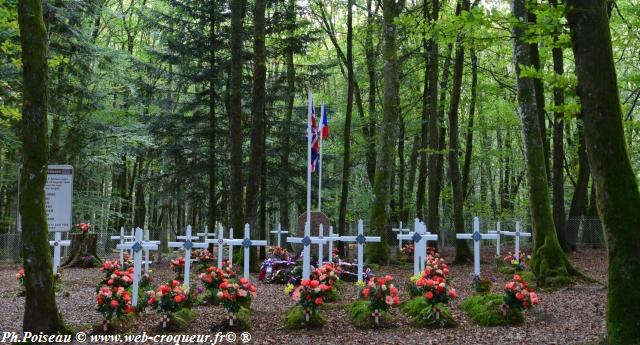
column 122, row 239
column 306, row 241
column 147, row 249
column 497, row 232
column 400, row 230
column 419, row 238
column 187, row 245
column 330, row 239
column 57, row 243
column 206, row 235
column 517, row 234
column 361, row 239
column 279, row 233
column 136, row 247
column 220, row 242
column 476, row 236
column 246, row 243
column 230, row 246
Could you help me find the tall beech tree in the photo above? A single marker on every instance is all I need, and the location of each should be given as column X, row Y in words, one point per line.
column 549, row 262
column 618, row 198
column 238, row 8
column 463, row 253
column 40, row 310
column 387, row 133
column 257, row 119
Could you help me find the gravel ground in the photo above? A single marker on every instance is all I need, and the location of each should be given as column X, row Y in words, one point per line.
column 571, row 315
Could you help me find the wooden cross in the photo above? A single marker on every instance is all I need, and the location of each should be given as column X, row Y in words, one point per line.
column 419, row 238
column 497, row 232
column 361, row 239
column 330, row 239
column 476, row 236
column 246, row 243
column 400, row 230
column 306, row 241
column 122, row 239
column 517, row 234
column 136, row 247
column 279, row 233
column 187, row 245
column 57, row 243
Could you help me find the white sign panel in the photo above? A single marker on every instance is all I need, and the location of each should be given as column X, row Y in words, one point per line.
column 58, row 197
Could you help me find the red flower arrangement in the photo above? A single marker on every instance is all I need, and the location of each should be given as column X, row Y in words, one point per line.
column 518, row 296
column 408, row 250
column 82, row 227
column 435, row 290
column 326, row 274
column 235, row 294
column 20, row 276
column 213, row 277
column 435, row 266
column 168, row 297
column 381, row 293
column 114, row 301
column 310, row 294
column 177, row 266
column 109, row 267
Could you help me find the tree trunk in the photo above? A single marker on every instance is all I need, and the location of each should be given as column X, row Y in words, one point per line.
column 433, row 160
column 235, row 114
column 370, row 55
column 290, row 97
column 387, row 134
column 257, row 122
column 401, row 172
column 463, row 253
column 539, row 89
column 578, row 206
column 559, row 215
column 40, row 310
column 82, row 245
column 466, row 168
column 212, row 215
column 425, row 125
column 548, row 261
column 346, row 160
column 615, row 181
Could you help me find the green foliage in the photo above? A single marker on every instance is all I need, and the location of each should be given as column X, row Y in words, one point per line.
column 295, row 319
column 182, row 318
column 359, row 312
column 487, row 310
column 434, row 315
column 414, row 306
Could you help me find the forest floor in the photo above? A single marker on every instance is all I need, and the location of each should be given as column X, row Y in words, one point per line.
column 570, row 315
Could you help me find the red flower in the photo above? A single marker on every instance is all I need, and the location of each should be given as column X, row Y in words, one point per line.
column 365, row 292
column 516, row 277
column 304, row 282
column 428, row 295
column 453, row 293
column 314, row 284
column 178, row 298
column 520, row 296
column 114, row 304
column 175, row 283
column 164, row 289
column 318, row 301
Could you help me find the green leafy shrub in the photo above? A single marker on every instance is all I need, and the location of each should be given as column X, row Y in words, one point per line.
column 295, row 319
column 490, row 310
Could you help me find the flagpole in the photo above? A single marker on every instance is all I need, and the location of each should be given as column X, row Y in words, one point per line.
column 320, row 161
column 309, row 134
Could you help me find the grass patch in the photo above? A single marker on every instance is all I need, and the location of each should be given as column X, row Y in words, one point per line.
column 486, row 310
column 434, row 316
column 414, row 306
column 181, row 318
column 359, row 313
column 295, row 319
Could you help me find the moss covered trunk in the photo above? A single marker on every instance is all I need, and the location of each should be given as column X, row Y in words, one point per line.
column 387, row 134
column 617, row 195
column 548, row 259
column 40, row 310
column 346, row 157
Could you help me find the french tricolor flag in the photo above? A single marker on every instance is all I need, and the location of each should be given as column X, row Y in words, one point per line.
column 324, row 123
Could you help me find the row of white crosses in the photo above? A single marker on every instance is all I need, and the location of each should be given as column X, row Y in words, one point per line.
column 187, row 244
column 400, row 230
column 420, row 237
column 279, row 232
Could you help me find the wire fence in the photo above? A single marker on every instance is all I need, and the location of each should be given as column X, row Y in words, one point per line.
column 581, row 232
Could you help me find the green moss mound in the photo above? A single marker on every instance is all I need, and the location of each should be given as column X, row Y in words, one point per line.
column 333, row 296
column 294, row 319
column 181, row 318
column 485, row 310
column 434, row 316
column 414, row 306
column 359, row 313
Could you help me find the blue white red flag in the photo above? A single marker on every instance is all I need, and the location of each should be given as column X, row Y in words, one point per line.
column 324, row 123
